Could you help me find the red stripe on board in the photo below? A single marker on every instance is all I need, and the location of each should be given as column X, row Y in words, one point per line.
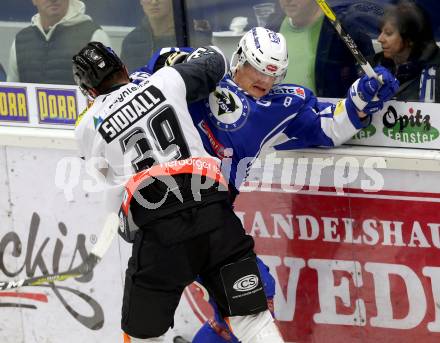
column 350, row 190
column 33, row 296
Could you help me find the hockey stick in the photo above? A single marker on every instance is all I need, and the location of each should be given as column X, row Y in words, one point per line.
column 347, row 39
column 109, row 230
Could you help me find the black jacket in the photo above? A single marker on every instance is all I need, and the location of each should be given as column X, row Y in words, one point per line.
column 42, row 61
column 2, row 73
column 410, row 73
column 140, row 44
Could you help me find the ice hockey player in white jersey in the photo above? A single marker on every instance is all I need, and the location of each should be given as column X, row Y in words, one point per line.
column 251, row 110
column 143, row 137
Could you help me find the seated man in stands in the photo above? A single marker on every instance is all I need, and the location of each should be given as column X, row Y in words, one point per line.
column 42, row 52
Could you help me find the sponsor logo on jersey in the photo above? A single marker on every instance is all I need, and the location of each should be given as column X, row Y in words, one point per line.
column 125, row 93
column 299, row 91
column 97, row 121
column 218, row 148
column 284, row 89
column 246, row 283
column 131, row 112
column 229, row 109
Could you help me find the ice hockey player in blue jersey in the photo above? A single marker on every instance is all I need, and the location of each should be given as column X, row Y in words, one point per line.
column 251, row 110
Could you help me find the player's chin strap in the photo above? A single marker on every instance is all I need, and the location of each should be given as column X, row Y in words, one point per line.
column 259, row 328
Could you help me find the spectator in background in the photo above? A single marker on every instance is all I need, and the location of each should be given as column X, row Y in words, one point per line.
column 42, row 52
column 432, row 8
column 200, row 19
column 409, row 50
column 318, row 58
column 155, row 31
column 2, row 73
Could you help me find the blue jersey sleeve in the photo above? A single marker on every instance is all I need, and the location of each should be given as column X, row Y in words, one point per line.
column 305, row 129
column 321, row 124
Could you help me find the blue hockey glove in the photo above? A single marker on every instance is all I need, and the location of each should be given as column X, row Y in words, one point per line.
column 362, row 91
column 373, row 106
column 368, row 94
column 389, row 86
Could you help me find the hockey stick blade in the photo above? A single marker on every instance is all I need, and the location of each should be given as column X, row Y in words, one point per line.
column 366, row 67
column 104, row 241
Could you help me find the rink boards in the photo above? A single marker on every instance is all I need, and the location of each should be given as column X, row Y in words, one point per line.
column 351, row 234
column 354, row 250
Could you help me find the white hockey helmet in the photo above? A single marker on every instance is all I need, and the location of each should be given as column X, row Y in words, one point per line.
column 265, row 50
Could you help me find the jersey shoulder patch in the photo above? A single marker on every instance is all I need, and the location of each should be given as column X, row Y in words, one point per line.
column 228, row 107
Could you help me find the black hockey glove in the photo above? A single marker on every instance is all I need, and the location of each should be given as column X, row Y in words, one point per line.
column 169, row 59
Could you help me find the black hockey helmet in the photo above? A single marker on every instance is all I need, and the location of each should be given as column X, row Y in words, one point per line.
column 93, row 64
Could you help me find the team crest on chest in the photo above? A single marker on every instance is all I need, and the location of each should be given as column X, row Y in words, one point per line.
column 228, row 109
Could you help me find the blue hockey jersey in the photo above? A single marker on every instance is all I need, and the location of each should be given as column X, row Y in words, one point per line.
column 235, row 125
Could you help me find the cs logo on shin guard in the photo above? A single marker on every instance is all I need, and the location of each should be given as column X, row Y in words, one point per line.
column 246, row 283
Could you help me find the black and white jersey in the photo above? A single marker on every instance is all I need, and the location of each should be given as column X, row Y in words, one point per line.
column 146, row 123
